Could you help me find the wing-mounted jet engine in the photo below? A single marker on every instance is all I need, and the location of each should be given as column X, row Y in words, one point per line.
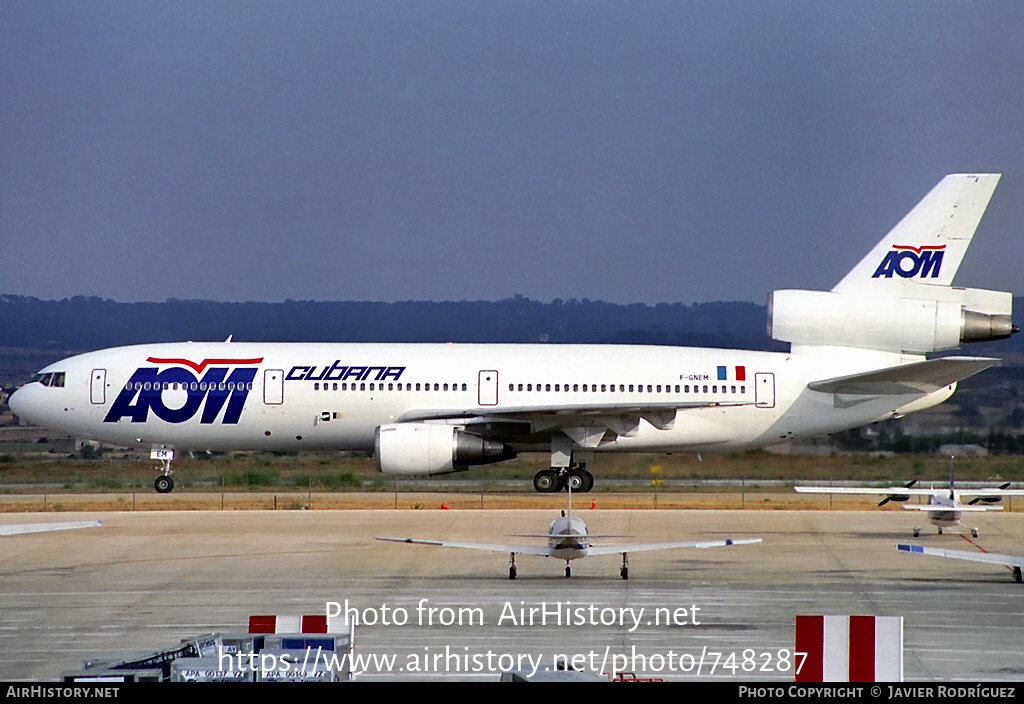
column 433, row 448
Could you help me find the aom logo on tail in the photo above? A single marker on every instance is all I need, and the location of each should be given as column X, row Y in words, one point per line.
column 908, row 261
column 175, row 394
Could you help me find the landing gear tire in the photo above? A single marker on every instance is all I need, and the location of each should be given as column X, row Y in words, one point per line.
column 917, row 532
column 163, row 485
column 511, row 572
column 575, row 480
column 546, row 481
column 579, row 480
column 624, row 573
column 940, row 530
column 568, row 571
column 588, row 481
column 1017, row 576
column 974, row 532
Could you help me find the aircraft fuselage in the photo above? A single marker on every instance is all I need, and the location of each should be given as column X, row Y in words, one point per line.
column 302, row 396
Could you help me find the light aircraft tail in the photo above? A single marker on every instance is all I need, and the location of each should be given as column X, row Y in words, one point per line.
column 900, row 297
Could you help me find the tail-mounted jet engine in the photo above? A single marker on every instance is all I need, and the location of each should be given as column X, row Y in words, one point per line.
column 924, row 319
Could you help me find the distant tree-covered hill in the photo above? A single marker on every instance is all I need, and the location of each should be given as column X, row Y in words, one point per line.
column 82, row 323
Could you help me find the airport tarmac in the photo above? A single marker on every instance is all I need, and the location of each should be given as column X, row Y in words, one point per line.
column 145, row 580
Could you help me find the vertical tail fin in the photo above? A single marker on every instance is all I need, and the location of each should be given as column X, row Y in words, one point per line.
column 900, row 297
column 928, row 244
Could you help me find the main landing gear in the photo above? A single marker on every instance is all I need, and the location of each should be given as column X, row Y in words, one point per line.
column 549, row 481
column 512, row 566
column 568, row 468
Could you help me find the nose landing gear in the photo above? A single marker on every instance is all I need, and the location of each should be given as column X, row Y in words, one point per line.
column 163, row 484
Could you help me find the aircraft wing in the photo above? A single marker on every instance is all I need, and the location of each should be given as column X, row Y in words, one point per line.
column 584, row 423
column 939, row 508
column 573, row 409
column 989, row 493
column 881, row 491
column 915, row 378
column 641, row 547
column 22, row 528
column 990, row 557
column 542, row 550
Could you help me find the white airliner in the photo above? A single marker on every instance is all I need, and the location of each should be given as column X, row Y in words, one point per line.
column 858, row 355
column 568, row 539
column 943, row 507
column 1013, row 561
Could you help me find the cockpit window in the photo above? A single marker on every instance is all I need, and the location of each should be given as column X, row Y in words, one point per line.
column 50, row 379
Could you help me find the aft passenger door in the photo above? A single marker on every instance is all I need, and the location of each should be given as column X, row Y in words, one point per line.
column 764, row 390
column 487, row 388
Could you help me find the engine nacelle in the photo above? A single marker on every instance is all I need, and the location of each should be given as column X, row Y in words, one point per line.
column 940, row 319
column 412, row 449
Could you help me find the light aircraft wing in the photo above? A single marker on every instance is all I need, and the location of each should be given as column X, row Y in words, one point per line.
column 541, row 550
column 939, row 508
column 23, row 528
column 641, row 547
column 989, row 493
column 990, row 557
column 916, row 378
column 881, row 491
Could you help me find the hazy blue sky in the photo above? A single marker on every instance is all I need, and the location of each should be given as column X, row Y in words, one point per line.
column 624, row 151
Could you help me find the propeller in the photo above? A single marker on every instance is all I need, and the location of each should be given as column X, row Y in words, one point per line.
column 991, row 499
column 898, row 497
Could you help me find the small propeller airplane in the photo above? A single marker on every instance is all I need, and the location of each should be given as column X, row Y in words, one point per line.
column 943, row 508
column 568, row 539
column 1015, row 562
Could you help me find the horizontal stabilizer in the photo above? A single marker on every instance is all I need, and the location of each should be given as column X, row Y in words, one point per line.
column 549, row 536
column 907, row 379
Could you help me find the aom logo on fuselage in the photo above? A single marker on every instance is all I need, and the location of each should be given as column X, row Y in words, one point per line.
column 186, row 392
column 907, row 261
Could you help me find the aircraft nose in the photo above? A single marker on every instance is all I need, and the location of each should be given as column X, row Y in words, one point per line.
column 21, row 403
